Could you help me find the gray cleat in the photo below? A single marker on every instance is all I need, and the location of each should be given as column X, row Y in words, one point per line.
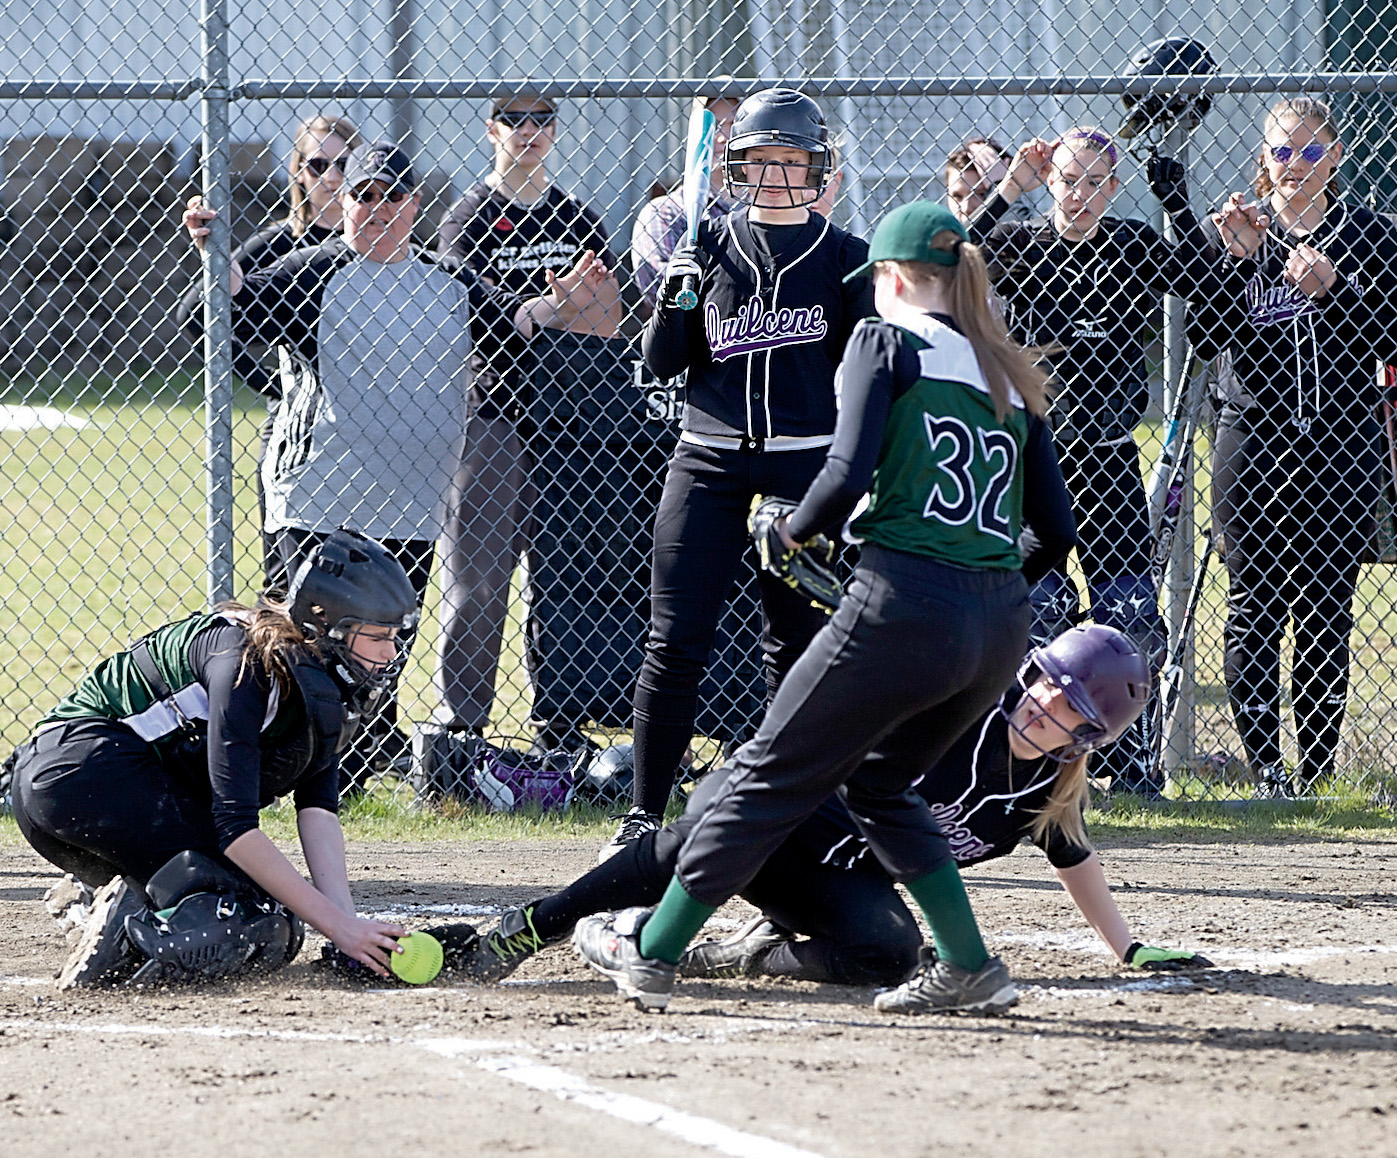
column 105, row 955
column 940, row 987
column 740, row 955
column 610, row 944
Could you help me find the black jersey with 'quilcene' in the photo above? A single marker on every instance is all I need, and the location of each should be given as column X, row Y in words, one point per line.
column 984, row 798
column 762, row 346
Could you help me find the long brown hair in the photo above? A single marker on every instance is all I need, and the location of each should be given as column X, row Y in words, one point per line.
column 1305, row 110
column 302, row 211
column 1066, row 803
column 271, row 636
column 1005, row 364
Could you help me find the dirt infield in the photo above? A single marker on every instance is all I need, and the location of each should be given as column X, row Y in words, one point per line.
column 1289, row 1047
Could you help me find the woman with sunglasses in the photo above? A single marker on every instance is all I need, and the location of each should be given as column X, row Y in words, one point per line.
column 1308, row 308
column 829, row 911
column 315, row 171
column 1086, row 285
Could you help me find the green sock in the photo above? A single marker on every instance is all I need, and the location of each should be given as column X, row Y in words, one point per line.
column 941, row 897
column 672, row 925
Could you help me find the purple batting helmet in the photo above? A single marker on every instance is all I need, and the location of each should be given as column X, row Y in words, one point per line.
column 1104, row 676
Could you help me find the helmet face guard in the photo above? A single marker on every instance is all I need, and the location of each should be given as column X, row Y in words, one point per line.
column 350, row 581
column 784, row 117
column 1161, row 109
column 1104, row 677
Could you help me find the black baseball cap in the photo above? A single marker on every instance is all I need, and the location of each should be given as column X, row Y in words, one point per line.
column 380, row 161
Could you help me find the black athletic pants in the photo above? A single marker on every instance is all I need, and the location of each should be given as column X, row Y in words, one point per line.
column 93, row 798
column 916, row 652
column 858, row 930
column 1292, row 534
column 701, row 540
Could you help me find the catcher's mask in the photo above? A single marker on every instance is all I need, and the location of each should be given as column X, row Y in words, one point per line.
column 349, row 581
column 1104, row 676
column 1163, row 107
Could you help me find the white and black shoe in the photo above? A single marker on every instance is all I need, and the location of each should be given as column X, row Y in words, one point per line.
column 940, row 987
column 634, row 824
column 105, row 955
column 610, row 944
column 740, row 955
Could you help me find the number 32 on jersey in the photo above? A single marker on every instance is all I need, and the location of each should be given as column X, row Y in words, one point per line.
column 975, row 469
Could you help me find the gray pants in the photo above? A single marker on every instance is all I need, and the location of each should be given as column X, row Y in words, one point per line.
column 487, row 528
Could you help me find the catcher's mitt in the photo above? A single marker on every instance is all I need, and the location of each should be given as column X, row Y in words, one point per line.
column 806, row 568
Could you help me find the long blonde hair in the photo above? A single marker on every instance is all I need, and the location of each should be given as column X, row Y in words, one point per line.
column 1066, row 803
column 1005, row 364
column 302, row 211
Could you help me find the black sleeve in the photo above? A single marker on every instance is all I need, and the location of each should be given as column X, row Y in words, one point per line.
column 263, row 248
column 866, row 383
column 237, row 708
column 982, row 227
column 1050, row 530
column 857, row 294
column 282, row 302
column 321, row 789
column 672, row 335
column 1062, row 853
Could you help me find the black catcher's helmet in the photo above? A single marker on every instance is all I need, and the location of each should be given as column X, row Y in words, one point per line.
column 1162, row 108
column 350, row 580
column 1103, row 674
column 777, row 116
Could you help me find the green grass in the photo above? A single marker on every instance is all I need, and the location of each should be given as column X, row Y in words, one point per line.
column 104, row 540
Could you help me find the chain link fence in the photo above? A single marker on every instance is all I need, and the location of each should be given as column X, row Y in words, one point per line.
column 132, row 446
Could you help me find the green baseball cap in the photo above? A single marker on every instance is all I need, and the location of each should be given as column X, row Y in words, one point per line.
column 905, row 235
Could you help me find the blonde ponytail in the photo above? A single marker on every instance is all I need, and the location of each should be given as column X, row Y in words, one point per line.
column 1066, row 803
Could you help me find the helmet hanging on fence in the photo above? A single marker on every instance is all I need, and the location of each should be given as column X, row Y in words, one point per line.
column 1163, row 107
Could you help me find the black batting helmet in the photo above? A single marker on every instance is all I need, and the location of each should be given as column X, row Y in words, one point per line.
column 777, row 116
column 1161, row 108
column 347, row 581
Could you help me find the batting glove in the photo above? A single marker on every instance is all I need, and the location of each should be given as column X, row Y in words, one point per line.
column 805, row 568
column 1153, row 959
column 683, row 262
column 1169, row 182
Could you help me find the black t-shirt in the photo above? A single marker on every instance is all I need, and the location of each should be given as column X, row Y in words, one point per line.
column 513, row 245
column 984, row 797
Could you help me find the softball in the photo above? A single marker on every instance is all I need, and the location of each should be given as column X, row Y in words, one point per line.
column 420, row 960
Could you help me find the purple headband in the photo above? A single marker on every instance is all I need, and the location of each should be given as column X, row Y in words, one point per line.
column 1096, row 138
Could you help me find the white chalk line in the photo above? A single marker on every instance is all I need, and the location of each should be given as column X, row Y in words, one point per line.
column 568, row 1087
column 37, row 418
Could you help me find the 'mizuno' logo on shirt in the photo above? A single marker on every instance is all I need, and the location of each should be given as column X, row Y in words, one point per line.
column 753, row 329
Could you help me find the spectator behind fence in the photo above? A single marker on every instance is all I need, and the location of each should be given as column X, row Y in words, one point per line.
column 973, row 169
column 1086, row 286
column 1308, row 311
column 512, row 229
column 760, row 352
column 319, row 150
column 145, row 782
column 373, row 339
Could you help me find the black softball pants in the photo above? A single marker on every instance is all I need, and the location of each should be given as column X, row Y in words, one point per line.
column 858, row 930
column 913, row 656
column 1292, row 534
column 701, row 539
column 93, row 798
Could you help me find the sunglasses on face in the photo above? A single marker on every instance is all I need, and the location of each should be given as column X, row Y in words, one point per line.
column 371, row 196
column 1311, row 153
column 513, row 119
column 321, row 165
